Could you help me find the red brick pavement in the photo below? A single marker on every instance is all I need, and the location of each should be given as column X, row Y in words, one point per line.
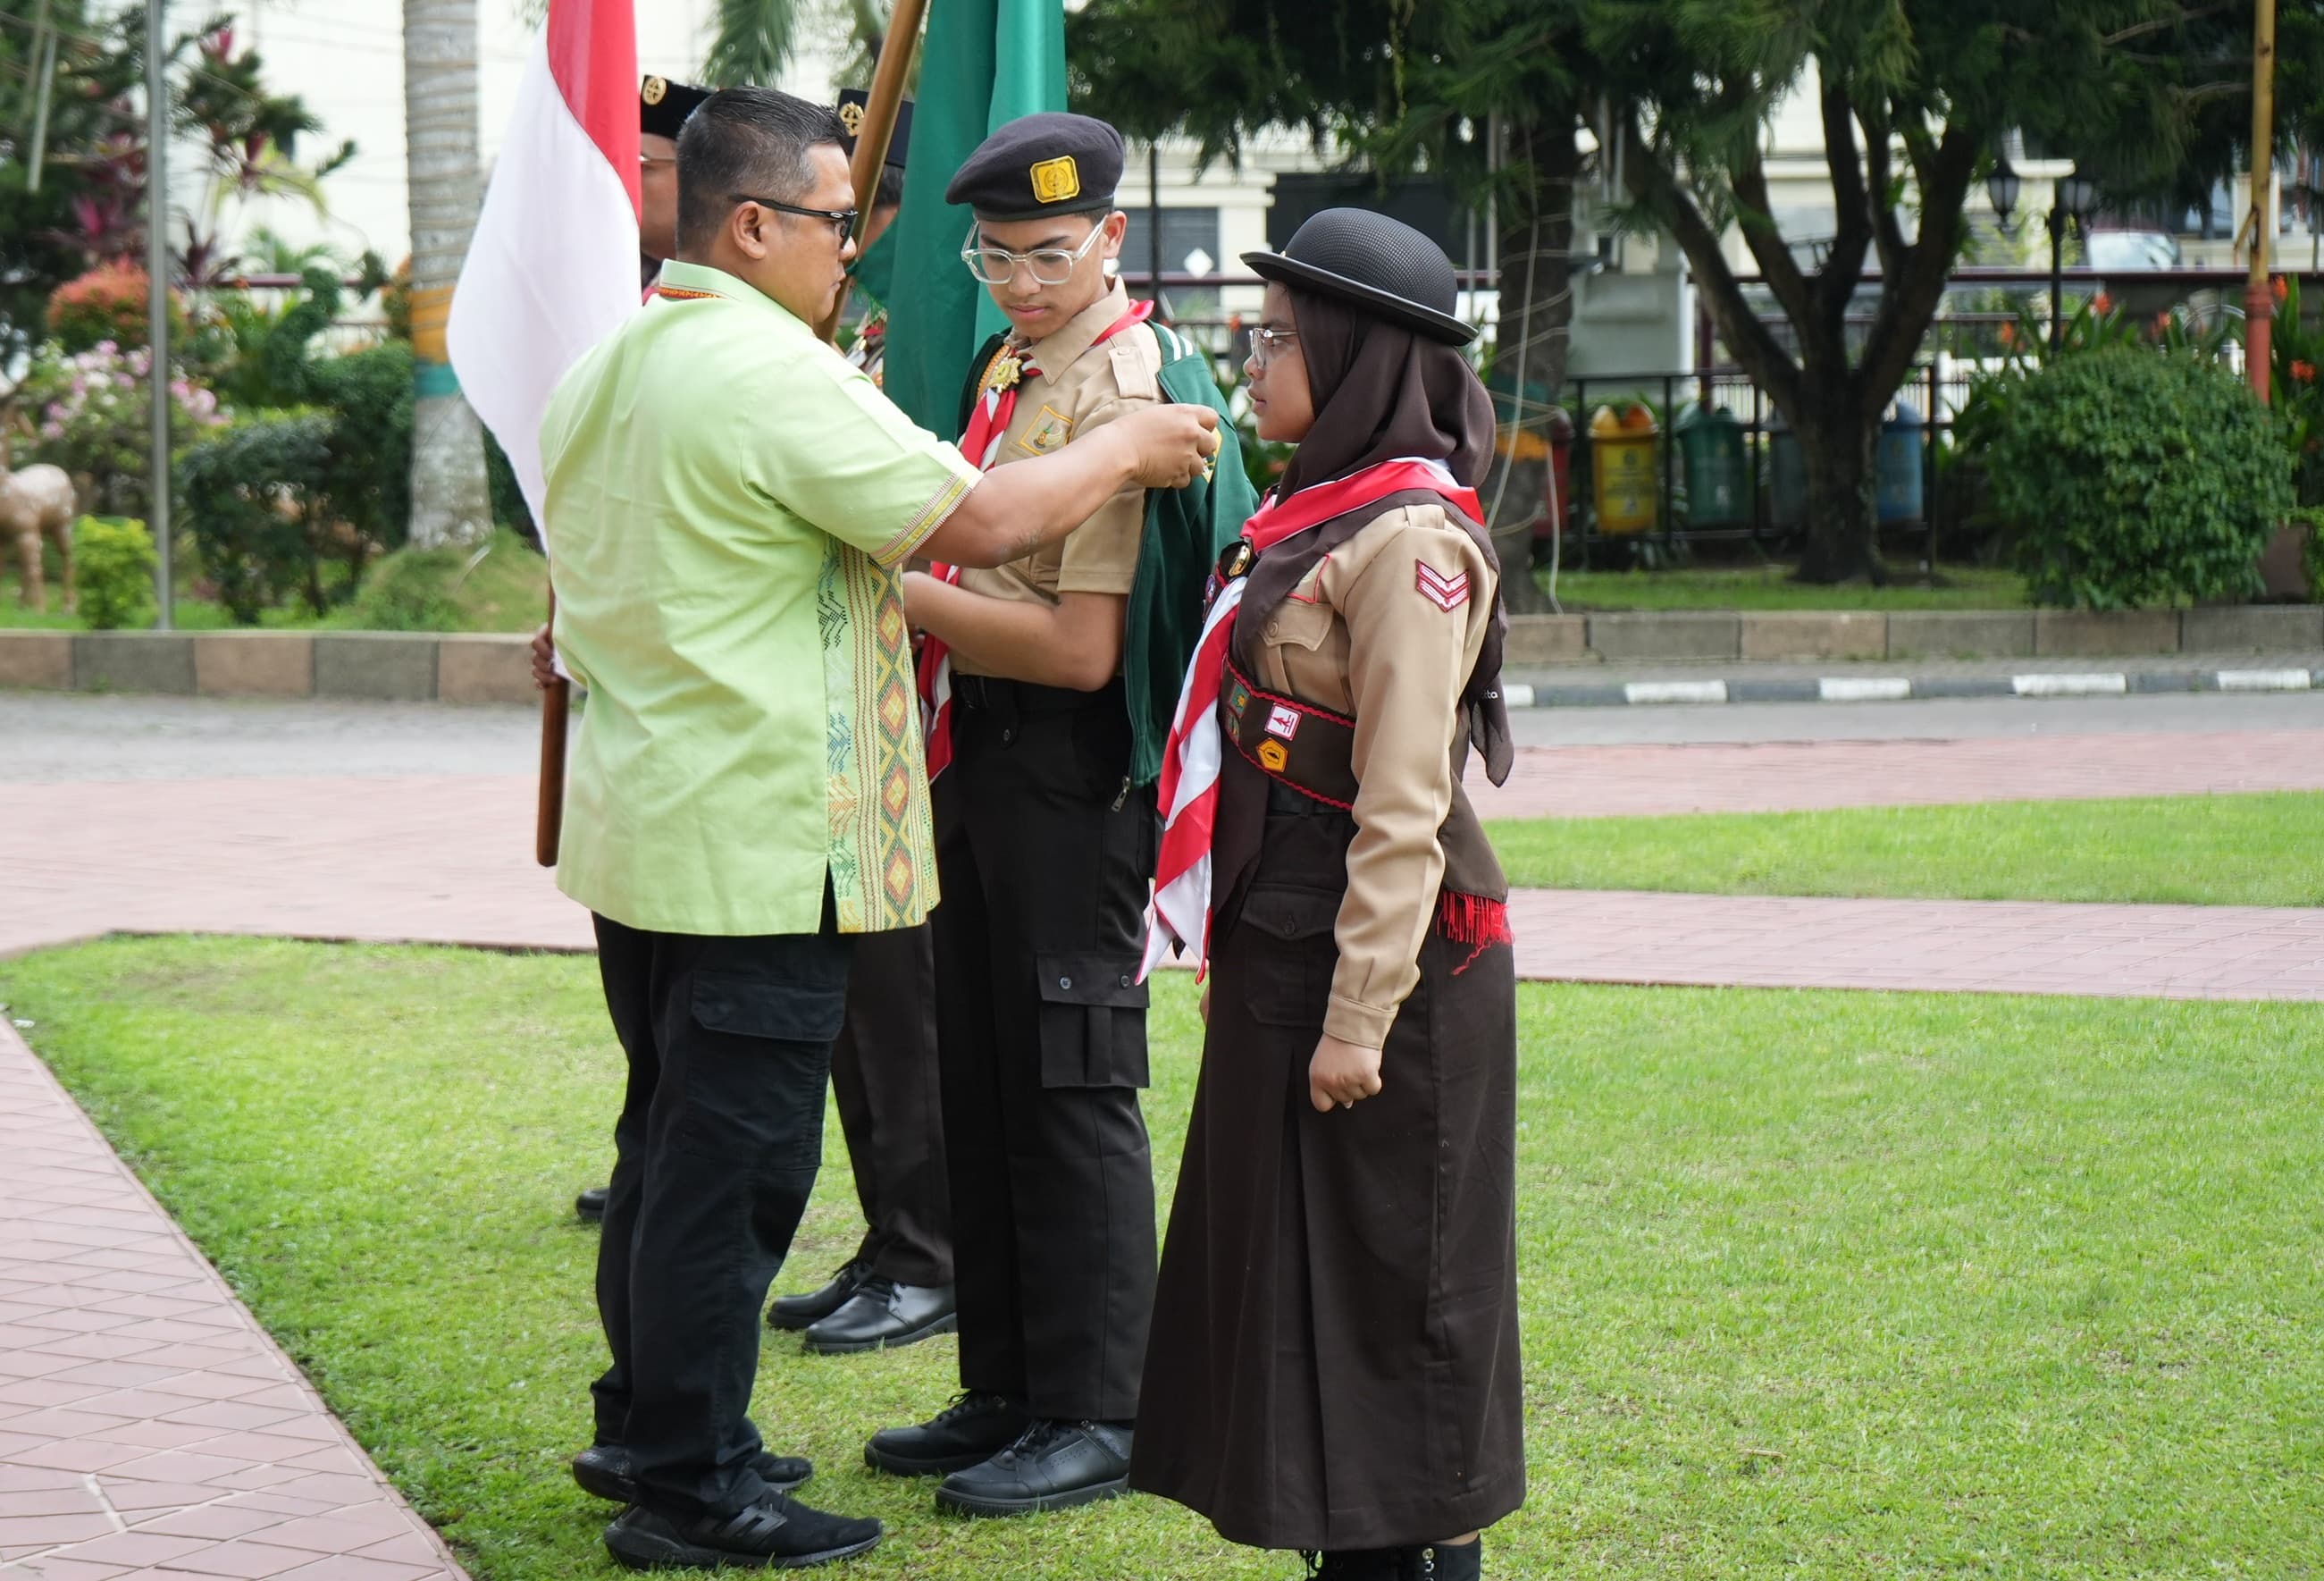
column 149, row 1429
column 148, row 1426
column 1803, row 775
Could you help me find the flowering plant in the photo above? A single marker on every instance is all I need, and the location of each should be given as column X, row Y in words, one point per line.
column 92, row 416
column 105, row 304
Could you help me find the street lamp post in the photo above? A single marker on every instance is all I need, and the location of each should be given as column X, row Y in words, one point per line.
column 2073, row 199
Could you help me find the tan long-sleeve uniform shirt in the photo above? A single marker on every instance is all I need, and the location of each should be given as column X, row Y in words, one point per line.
column 1386, row 629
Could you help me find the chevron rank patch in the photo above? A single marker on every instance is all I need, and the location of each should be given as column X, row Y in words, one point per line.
column 1447, row 593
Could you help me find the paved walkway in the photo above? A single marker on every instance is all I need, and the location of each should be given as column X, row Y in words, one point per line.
column 148, row 1426
column 149, row 1429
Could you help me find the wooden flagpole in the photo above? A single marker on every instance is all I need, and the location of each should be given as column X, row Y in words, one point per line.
column 556, row 710
column 879, row 126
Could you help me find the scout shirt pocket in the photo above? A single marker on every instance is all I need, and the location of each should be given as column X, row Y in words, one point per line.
column 1294, row 954
column 1093, row 1019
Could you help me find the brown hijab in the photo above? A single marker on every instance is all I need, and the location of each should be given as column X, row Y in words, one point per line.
column 1381, row 392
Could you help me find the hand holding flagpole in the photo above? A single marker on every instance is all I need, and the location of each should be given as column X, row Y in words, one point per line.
column 879, row 126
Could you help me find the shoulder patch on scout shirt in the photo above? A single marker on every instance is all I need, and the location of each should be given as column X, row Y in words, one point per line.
column 1131, row 376
column 1051, row 428
column 1448, row 593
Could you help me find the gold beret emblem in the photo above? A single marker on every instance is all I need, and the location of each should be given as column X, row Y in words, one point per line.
column 1057, row 179
column 850, row 115
column 653, row 90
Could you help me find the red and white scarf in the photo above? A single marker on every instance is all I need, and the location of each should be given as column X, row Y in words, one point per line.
column 1179, row 915
column 988, row 425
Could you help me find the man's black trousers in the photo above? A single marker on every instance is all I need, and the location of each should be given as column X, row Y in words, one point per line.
column 884, row 1076
column 1044, row 853
column 729, row 1045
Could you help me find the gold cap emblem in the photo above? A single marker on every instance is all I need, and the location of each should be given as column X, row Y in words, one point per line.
column 850, row 115
column 653, row 90
column 1057, row 179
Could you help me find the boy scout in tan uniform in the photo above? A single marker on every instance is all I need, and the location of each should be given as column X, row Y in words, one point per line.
column 1045, row 848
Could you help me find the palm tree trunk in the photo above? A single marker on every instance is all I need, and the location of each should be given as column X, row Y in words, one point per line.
column 450, row 500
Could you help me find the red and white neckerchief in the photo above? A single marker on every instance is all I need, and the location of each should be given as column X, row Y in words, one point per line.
column 988, row 425
column 1179, row 915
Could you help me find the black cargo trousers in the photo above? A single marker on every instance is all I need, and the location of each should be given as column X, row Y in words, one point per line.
column 729, row 1045
column 1045, row 852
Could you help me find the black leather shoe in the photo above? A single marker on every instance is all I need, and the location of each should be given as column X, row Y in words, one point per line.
column 1054, row 1466
column 882, row 1315
column 968, row 1432
column 591, row 1204
column 602, row 1470
column 799, row 1311
column 775, row 1534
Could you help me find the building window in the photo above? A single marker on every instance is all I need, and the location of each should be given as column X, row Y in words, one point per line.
column 1187, row 234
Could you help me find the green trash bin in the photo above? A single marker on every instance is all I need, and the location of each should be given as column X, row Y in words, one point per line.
column 1718, row 485
column 1787, row 470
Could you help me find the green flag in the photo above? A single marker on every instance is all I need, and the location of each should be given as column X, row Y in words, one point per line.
column 985, row 62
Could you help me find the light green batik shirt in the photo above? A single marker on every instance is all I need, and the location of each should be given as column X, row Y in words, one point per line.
column 729, row 504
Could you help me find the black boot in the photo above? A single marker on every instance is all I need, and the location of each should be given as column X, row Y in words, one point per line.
column 590, row 1205
column 814, row 1306
column 1357, row 1564
column 1445, row 1561
column 968, row 1432
column 1054, row 1466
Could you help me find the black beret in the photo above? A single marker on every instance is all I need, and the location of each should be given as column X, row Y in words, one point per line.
column 852, row 102
column 663, row 105
column 1040, row 165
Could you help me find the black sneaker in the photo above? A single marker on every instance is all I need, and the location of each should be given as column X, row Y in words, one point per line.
column 1055, row 1466
column 602, row 1470
column 799, row 1311
column 968, row 1432
column 775, row 1534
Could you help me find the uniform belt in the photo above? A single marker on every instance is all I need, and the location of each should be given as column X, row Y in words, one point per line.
column 993, row 691
column 1295, row 744
column 1286, row 801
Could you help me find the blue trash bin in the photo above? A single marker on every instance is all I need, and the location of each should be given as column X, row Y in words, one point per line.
column 1898, row 476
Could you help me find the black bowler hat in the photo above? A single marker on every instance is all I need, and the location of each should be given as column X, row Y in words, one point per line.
column 853, row 102
column 663, row 105
column 1040, row 165
column 1369, row 261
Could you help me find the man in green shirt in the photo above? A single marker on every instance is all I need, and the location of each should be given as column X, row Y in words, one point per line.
column 729, row 504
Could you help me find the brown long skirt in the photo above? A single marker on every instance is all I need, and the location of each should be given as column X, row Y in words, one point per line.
column 1334, row 1361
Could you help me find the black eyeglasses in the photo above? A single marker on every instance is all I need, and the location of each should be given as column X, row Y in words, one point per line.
column 841, row 221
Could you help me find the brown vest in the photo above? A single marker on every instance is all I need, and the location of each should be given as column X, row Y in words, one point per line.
column 1316, row 760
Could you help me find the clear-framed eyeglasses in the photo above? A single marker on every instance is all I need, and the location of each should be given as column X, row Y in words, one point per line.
column 1265, row 343
column 998, row 266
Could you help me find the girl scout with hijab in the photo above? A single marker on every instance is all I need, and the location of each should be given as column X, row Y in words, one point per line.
column 1335, row 1363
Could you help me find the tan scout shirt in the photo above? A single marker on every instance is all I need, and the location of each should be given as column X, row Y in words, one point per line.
column 1366, row 634
column 1080, row 386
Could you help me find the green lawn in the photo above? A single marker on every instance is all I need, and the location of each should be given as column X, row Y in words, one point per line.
column 1815, row 1284
column 409, row 590
column 1771, row 587
column 2247, row 850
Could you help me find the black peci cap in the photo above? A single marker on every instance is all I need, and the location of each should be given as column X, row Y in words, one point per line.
column 1040, row 165
column 853, row 102
column 1372, row 262
column 663, row 105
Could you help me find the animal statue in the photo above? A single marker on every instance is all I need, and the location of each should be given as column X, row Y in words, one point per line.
column 36, row 502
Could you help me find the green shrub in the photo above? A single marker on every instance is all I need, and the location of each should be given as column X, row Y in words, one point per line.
column 410, row 592
column 2139, row 477
column 257, row 500
column 114, row 562
column 106, row 304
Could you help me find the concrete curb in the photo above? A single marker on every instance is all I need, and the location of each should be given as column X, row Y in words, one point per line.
column 1783, row 636
column 1894, row 689
column 412, row 667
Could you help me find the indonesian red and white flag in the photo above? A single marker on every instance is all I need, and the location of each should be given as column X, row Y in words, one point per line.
column 553, row 267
